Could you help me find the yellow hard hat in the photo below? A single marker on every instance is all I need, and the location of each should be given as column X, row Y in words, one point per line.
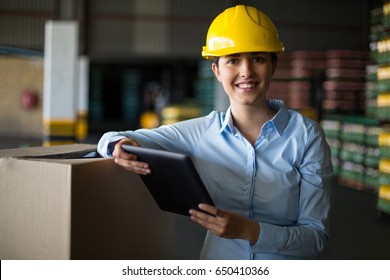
column 241, row 29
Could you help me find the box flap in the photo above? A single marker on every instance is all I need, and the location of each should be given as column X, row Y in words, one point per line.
column 35, row 200
column 54, row 152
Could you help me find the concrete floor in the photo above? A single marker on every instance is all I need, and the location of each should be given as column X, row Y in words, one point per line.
column 358, row 231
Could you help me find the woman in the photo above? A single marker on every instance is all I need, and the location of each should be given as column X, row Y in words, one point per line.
column 267, row 168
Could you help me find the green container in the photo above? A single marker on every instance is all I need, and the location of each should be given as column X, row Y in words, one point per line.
column 336, row 165
column 352, row 152
column 331, row 128
column 384, row 152
column 383, row 113
column 383, row 86
column 383, row 178
column 351, row 175
column 383, row 205
column 372, row 134
column 371, row 161
column 371, row 181
column 354, row 129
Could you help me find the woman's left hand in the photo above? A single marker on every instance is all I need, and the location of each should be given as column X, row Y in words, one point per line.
column 225, row 224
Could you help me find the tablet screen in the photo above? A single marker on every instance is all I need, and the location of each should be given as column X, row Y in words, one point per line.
column 174, row 182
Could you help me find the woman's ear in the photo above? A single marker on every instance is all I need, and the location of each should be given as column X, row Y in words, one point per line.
column 216, row 71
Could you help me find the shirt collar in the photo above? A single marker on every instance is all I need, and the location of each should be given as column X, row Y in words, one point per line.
column 282, row 115
column 227, row 122
column 279, row 121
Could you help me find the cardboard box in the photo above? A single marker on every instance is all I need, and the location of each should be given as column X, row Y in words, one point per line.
column 56, row 205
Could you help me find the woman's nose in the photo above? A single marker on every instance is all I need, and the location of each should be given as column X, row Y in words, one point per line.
column 246, row 69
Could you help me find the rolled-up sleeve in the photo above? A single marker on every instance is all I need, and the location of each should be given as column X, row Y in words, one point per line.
column 107, row 142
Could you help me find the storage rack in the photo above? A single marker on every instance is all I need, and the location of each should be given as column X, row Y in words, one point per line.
column 378, row 95
column 350, row 134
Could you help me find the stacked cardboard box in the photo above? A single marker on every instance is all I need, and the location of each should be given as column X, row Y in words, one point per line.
column 61, row 203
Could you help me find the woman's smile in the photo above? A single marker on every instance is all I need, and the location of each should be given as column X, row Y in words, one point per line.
column 246, row 85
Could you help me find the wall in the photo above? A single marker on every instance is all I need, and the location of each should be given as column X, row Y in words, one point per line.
column 22, row 22
column 125, row 30
column 18, row 74
column 177, row 28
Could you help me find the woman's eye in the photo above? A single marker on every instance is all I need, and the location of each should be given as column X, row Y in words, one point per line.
column 258, row 59
column 232, row 61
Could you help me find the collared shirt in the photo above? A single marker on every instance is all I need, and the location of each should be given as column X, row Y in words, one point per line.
column 282, row 182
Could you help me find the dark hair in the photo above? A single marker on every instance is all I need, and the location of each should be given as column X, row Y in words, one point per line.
column 216, row 60
column 274, row 59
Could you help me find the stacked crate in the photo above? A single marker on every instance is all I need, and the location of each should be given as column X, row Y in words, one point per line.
column 372, row 156
column 345, row 99
column 355, row 153
column 384, row 171
column 295, row 81
column 332, row 129
column 376, row 35
column 371, row 91
column 344, row 85
column 380, row 52
column 278, row 88
column 383, row 92
column 307, row 68
column 383, row 116
column 352, row 154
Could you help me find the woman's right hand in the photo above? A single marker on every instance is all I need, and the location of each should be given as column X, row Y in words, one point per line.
column 129, row 161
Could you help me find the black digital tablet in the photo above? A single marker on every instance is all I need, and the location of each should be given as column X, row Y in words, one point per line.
column 174, row 182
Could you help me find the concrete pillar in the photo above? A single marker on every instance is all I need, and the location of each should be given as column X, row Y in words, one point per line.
column 59, row 85
column 82, row 107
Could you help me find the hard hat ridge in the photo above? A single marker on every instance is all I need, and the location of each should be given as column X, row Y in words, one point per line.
column 241, row 29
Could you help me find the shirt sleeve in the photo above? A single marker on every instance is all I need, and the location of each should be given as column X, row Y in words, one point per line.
column 309, row 235
column 107, row 142
column 180, row 137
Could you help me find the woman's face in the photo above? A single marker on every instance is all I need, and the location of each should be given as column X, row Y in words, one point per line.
column 245, row 77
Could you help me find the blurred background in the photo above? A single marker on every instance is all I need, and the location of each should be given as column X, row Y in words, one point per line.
column 142, row 58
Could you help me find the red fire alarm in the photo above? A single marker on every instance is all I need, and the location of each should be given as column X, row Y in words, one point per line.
column 29, row 99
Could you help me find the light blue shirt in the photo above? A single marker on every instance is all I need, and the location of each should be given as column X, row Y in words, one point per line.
column 282, row 182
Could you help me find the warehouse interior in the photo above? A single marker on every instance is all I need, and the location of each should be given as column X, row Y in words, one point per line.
column 138, row 65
